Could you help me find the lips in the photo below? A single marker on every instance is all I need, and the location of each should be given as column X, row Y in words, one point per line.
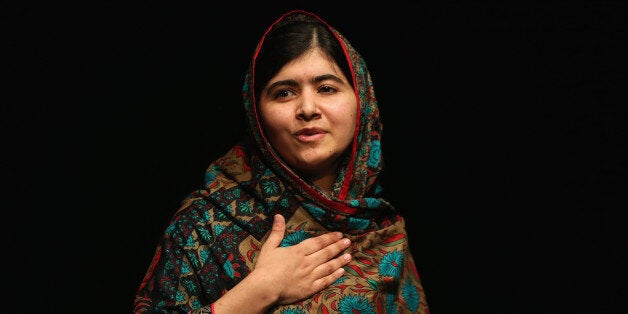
column 310, row 131
column 310, row 134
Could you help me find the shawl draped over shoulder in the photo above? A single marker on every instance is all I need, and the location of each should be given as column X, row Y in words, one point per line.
column 214, row 238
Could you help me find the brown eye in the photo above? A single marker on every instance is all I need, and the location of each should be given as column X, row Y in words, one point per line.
column 284, row 93
column 327, row 89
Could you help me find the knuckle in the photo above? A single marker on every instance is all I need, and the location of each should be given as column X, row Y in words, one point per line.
column 328, row 268
column 319, row 284
column 305, row 265
column 331, row 252
column 299, row 250
column 321, row 240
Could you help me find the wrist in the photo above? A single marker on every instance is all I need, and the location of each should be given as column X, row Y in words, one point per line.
column 265, row 289
column 255, row 294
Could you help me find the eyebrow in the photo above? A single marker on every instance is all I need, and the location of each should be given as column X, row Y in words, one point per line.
column 294, row 83
column 325, row 77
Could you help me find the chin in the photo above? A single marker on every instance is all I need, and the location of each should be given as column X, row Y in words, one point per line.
column 312, row 164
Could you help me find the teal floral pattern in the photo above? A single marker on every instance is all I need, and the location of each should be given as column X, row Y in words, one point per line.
column 294, row 238
column 411, row 295
column 214, row 238
column 391, row 264
column 352, row 304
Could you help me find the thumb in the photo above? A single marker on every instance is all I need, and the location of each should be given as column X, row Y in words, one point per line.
column 278, row 231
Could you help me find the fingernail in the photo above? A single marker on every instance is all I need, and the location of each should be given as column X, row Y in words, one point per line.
column 347, row 257
column 346, row 241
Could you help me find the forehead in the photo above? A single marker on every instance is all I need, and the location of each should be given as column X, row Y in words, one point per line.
column 312, row 62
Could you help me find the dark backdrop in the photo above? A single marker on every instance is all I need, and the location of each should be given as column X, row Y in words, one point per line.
column 503, row 138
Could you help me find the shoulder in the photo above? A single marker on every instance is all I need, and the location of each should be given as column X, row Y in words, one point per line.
column 193, row 218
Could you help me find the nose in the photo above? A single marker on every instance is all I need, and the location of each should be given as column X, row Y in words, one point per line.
column 308, row 108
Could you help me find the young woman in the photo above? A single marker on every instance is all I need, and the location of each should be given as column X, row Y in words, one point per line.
column 292, row 218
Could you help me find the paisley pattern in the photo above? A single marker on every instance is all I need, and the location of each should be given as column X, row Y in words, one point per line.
column 214, row 238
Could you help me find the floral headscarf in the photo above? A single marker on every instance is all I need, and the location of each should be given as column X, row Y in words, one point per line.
column 213, row 240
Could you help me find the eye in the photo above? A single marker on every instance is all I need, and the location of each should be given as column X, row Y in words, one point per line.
column 283, row 93
column 326, row 89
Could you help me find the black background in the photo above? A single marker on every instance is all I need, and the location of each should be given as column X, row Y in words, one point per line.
column 504, row 131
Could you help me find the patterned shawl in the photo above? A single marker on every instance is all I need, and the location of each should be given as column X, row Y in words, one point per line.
column 214, row 238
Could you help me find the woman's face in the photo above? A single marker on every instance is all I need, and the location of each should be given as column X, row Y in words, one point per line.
column 308, row 112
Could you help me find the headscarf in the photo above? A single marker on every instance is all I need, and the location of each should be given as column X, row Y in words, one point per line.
column 213, row 240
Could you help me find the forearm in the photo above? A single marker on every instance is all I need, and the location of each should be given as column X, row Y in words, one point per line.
column 254, row 294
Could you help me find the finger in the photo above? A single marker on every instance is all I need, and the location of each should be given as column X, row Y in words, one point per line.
column 277, row 232
column 324, row 282
column 313, row 245
column 330, row 251
column 331, row 266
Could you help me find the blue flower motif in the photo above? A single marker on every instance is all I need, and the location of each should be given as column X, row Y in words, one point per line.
column 205, row 234
column 209, row 177
column 185, row 268
column 170, row 230
column 196, row 304
column 292, row 310
column 245, row 207
column 206, row 217
column 284, row 203
column 190, row 285
column 269, row 187
column 411, row 295
column 378, row 189
column 339, row 280
column 193, row 260
column 391, row 305
column 220, row 215
column 205, row 255
column 374, row 155
column 358, row 223
column 391, row 264
column 372, row 202
column 169, row 266
column 351, row 304
column 294, row 238
column 180, row 297
column 228, row 267
column 218, row 229
column 190, row 240
column 317, row 212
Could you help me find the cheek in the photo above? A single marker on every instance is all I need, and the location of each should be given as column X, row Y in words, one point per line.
column 346, row 120
column 272, row 121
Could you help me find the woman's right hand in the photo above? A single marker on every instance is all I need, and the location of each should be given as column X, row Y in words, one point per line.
column 297, row 272
column 285, row 275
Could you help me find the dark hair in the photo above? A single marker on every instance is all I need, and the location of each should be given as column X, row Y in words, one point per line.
column 287, row 42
